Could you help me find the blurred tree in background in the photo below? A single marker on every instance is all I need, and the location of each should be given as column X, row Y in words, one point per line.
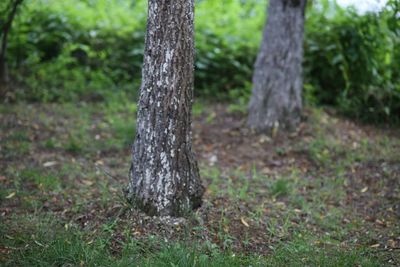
column 277, row 81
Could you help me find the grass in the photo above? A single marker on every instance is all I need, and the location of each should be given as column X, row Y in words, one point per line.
column 312, row 200
column 299, row 252
column 280, row 187
column 53, row 244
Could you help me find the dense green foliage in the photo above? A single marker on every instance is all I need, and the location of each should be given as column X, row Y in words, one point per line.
column 92, row 50
column 353, row 61
column 68, row 50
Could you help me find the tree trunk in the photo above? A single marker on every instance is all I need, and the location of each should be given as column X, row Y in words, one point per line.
column 164, row 176
column 277, row 80
column 4, row 77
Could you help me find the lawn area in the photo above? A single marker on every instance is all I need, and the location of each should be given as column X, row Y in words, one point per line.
column 325, row 195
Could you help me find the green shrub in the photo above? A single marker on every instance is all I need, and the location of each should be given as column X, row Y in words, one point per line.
column 227, row 41
column 74, row 50
column 90, row 50
column 352, row 61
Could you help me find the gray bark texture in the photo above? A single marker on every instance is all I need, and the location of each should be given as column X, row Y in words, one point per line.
column 164, row 176
column 276, row 100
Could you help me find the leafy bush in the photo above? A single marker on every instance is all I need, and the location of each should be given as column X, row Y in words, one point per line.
column 91, row 50
column 352, row 61
column 74, row 50
column 227, row 41
column 77, row 50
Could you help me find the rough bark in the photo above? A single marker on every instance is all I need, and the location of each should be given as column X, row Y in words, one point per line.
column 4, row 77
column 277, row 80
column 164, row 176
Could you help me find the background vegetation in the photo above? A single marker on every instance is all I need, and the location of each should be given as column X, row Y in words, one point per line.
column 61, row 51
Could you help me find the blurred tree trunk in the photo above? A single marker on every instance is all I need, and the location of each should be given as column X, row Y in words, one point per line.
column 6, row 23
column 277, row 79
column 164, row 176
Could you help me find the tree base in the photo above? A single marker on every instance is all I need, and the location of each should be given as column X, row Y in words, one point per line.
column 176, row 207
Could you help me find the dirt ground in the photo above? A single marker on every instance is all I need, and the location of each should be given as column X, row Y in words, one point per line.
column 333, row 181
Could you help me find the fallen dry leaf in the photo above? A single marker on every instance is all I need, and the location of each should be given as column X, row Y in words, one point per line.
column 10, row 195
column 392, row 243
column 49, row 163
column 365, row 189
column 244, row 222
column 87, row 182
